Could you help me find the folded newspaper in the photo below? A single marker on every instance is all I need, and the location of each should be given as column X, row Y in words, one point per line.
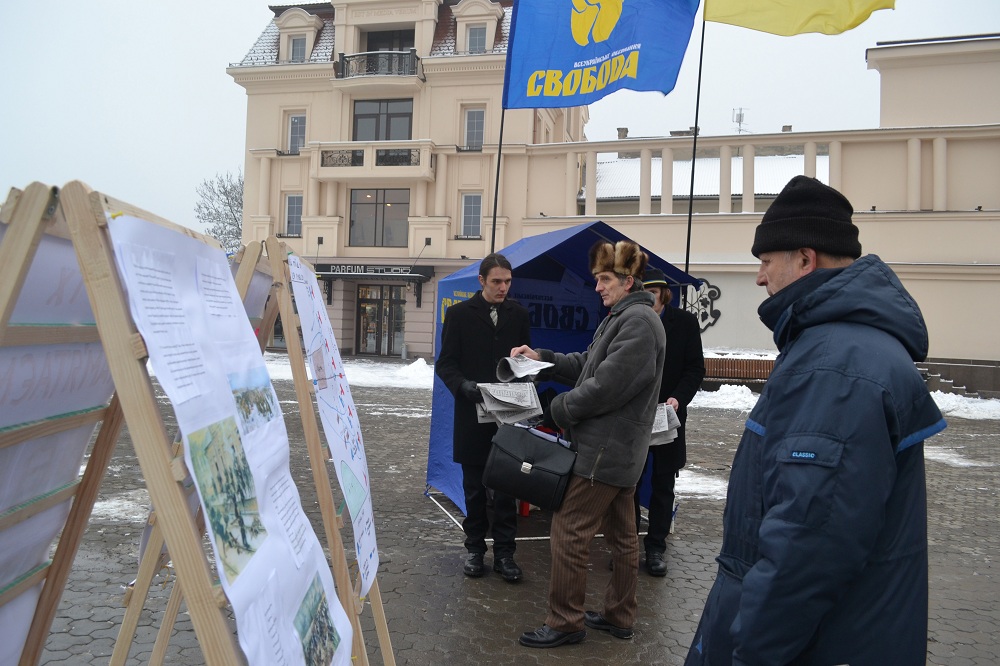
column 666, row 418
column 665, row 425
column 508, row 403
column 515, row 367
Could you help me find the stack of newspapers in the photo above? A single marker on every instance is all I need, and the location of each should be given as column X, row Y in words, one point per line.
column 508, row 403
column 511, row 400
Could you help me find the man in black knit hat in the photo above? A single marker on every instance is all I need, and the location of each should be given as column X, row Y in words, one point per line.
column 824, row 547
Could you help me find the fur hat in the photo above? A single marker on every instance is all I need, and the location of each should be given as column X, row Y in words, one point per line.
column 622, row 258
column 654, row 277
column 807, row 213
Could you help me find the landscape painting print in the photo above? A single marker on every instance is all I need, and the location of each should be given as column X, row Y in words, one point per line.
column 228, row 493
column 256, row 402
column 314, row 625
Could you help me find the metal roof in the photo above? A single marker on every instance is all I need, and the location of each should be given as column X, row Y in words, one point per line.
column 265, row 50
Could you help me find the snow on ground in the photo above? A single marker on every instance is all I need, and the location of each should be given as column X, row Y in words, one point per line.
column 365, row 372
column 949, row 456
column 967, row 408
column 693, row 483
column 420, row 375
column 727, row 397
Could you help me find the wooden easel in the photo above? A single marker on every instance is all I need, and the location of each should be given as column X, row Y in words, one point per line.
column 28, row 216
column 349, row 594
column 249, row 261
column 86, row 215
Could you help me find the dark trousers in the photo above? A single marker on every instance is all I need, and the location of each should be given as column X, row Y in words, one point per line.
column 477, row 518
column 661, row 501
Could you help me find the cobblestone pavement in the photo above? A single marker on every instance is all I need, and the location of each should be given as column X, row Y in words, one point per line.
column 438, row 616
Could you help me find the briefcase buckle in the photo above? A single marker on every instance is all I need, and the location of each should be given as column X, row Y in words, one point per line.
column 526, row 468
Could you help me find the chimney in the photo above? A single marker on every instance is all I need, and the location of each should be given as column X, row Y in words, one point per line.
column 622, row 132
column 786, row 128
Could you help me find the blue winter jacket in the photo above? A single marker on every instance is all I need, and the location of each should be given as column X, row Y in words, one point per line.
column 824, row 549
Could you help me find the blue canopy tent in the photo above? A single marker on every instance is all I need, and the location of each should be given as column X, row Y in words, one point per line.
column 552, row 280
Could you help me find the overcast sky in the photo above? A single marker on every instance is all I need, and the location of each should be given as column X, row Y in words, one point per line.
column 132, row 96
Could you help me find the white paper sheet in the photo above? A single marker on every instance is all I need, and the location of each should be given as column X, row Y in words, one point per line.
column 184, row 301
column 338, row 415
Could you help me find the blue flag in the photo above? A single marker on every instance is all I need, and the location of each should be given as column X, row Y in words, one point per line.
column 566, row 53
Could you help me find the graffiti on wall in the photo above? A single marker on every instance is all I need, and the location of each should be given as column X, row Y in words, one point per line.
column 701, row 303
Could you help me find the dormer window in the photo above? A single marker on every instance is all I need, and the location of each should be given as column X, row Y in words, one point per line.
column 477, row 39
column 298, row 49
column 298, row 29
column 477, row 22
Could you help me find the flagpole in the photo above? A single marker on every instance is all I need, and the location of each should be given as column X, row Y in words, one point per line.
column 694, row 153
column 496, row 187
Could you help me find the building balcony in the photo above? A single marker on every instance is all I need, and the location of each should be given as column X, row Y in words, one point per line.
column 380, row 63
column 384, row 160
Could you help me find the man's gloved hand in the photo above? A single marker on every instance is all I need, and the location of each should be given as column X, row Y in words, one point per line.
column 470, row 391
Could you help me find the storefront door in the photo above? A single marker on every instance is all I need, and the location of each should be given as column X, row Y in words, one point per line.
column 381, row 319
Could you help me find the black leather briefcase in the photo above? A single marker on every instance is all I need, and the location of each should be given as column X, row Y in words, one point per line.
column 528, row 467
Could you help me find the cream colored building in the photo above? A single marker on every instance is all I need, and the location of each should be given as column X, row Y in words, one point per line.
column 372, row 134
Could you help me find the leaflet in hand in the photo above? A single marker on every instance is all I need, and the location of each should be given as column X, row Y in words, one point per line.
column 516, row 367
column 666, row 418
column 508, row 403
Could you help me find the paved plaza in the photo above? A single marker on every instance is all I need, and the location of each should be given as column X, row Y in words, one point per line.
column 438, row 616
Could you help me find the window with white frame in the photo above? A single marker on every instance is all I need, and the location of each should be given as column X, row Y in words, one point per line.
column 472, row 215
column 293, row 215
column 298, row 50
column 476, row 37
column 296, row 132
column 475, row 128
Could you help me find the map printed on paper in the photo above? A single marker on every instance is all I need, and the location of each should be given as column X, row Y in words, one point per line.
column 338, row 415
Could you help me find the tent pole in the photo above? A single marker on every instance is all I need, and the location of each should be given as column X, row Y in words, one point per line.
column 694, row 153
column 496, row 187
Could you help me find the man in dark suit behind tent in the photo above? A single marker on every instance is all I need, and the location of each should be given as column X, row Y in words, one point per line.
column 683, row 370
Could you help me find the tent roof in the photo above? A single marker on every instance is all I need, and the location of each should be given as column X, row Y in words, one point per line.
column 547, row 255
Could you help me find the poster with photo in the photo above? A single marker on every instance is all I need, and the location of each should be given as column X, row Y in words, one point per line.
column 204, row 353
column 338, row 414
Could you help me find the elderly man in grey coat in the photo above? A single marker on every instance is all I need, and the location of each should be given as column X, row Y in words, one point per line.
column 608, row 416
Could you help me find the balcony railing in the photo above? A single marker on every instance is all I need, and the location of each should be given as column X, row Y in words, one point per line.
column 342, row 158
column 354, row 160
column 380, row 63
column 397, row 157
column 383, row 157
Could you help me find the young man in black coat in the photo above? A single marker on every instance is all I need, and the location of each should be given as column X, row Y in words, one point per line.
column 477, row 333
column 683, row 370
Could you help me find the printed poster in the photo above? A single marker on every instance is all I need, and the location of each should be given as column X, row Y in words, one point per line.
column 338, row 415
column 204, row 353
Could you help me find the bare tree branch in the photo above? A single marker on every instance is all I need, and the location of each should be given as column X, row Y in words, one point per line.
column 220, row 208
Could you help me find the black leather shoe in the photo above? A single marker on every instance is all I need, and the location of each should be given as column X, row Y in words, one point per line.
column 547, row 637
column 596, row 621
column 507, row 567
column 474, row 567
column 655, row 564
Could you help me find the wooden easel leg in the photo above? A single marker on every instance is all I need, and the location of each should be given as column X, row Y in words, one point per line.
column 76, row 525
column 381, row 625
column 167, row 626
column 137, row 600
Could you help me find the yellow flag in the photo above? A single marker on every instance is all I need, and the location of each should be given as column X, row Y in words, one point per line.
column 794, row 17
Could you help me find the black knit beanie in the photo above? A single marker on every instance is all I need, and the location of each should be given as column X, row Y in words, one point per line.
column 808, row 213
